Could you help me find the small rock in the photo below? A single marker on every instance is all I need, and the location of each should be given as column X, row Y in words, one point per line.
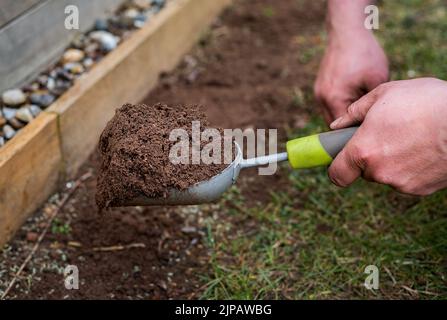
column 24, row 114
column 8, row 132
column 42, row 99
column 107, row 40
column 61, row 87
column 64, row 75
column 74, row 67
column 42, row 80
column 91, row 49
column 88, row 62
column 13, row 97
column 9, row 113
column 79, row 41
column 31, row 87
column 73, row 55
column 126, row 20
column 32, row 236
column 2, row 121
column 101, row 24
column 142, row 4
column 141, row 17
column 158, row 4
column 51, row 83
column 35, row 110
column 2, row 141
column 187, row 229
column 139, row 24
column 16, row 124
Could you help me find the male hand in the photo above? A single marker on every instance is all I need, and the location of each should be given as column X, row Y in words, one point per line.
column 352, row 66
column 402, row 139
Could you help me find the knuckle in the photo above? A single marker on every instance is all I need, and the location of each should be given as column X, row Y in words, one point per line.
column 360, row 156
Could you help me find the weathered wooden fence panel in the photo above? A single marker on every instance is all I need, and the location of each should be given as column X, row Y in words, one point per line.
column 38, row 35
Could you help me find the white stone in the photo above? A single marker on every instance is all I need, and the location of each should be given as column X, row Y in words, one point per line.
column 13, row 97
column 107, row 40
column 24, row 114
column 73, row 55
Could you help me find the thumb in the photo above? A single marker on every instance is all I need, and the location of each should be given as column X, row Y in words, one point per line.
column 356, row 111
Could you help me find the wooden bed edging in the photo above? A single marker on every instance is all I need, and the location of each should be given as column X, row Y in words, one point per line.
column 58, row 141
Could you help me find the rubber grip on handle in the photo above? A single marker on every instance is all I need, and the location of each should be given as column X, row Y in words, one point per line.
column 319, row 149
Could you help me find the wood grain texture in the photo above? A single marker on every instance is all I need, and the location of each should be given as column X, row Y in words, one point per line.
column 33, row 40
column 127, row 74
column 29, row 170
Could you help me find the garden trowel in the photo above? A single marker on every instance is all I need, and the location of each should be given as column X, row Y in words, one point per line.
column 305, row 152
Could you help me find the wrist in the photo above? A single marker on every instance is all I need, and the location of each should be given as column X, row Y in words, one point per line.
column 345, row 19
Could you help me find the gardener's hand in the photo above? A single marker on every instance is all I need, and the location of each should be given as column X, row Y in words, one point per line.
column 402, row 139
column 354, row 62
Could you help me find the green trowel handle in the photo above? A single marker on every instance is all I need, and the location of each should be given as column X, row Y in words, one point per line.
column 319, row 149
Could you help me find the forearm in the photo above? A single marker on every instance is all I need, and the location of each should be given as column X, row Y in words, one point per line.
column 346, row 17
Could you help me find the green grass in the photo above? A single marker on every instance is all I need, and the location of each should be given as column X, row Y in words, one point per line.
column 314, row 240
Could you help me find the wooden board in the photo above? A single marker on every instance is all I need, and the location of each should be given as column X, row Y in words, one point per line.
column 127, row 74
column 33, row 40
column 11, row 9
column 29, row 171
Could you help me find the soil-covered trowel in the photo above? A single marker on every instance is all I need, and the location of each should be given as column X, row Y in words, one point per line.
column 306, row 152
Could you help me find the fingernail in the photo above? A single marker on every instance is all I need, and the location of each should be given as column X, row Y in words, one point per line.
column 335, row 123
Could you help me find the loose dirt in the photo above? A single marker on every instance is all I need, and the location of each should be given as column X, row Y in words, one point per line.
column 135, row 149
column 248, row 71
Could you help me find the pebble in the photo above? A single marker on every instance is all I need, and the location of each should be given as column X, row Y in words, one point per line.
column 2, row 121
column 128, row 17
column 24, row 114
column 73, row 55
column 42, row 99
column 16, row 124
column 74, row 67
column 88, row 62
column 42, row 80
column 32, row 236
column 64, row 74
column 91, row 48
column 101, row 24
column 35, row 110
column 107, row 40
column 61, row 87
column 13, row 97
column 51, row 83
column 159, row 3
column 2, row 141
column 79, row 41
column 142, row 4
column 138, row 24
column 8, row 132
column 31, row 87
column 9, row 113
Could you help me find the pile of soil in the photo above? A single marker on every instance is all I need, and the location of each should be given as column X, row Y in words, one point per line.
column 135, row 148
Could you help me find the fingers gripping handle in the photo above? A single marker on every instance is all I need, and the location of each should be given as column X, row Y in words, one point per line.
column 318, row 150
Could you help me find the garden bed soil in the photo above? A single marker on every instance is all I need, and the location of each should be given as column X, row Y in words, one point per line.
column 245, row 71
